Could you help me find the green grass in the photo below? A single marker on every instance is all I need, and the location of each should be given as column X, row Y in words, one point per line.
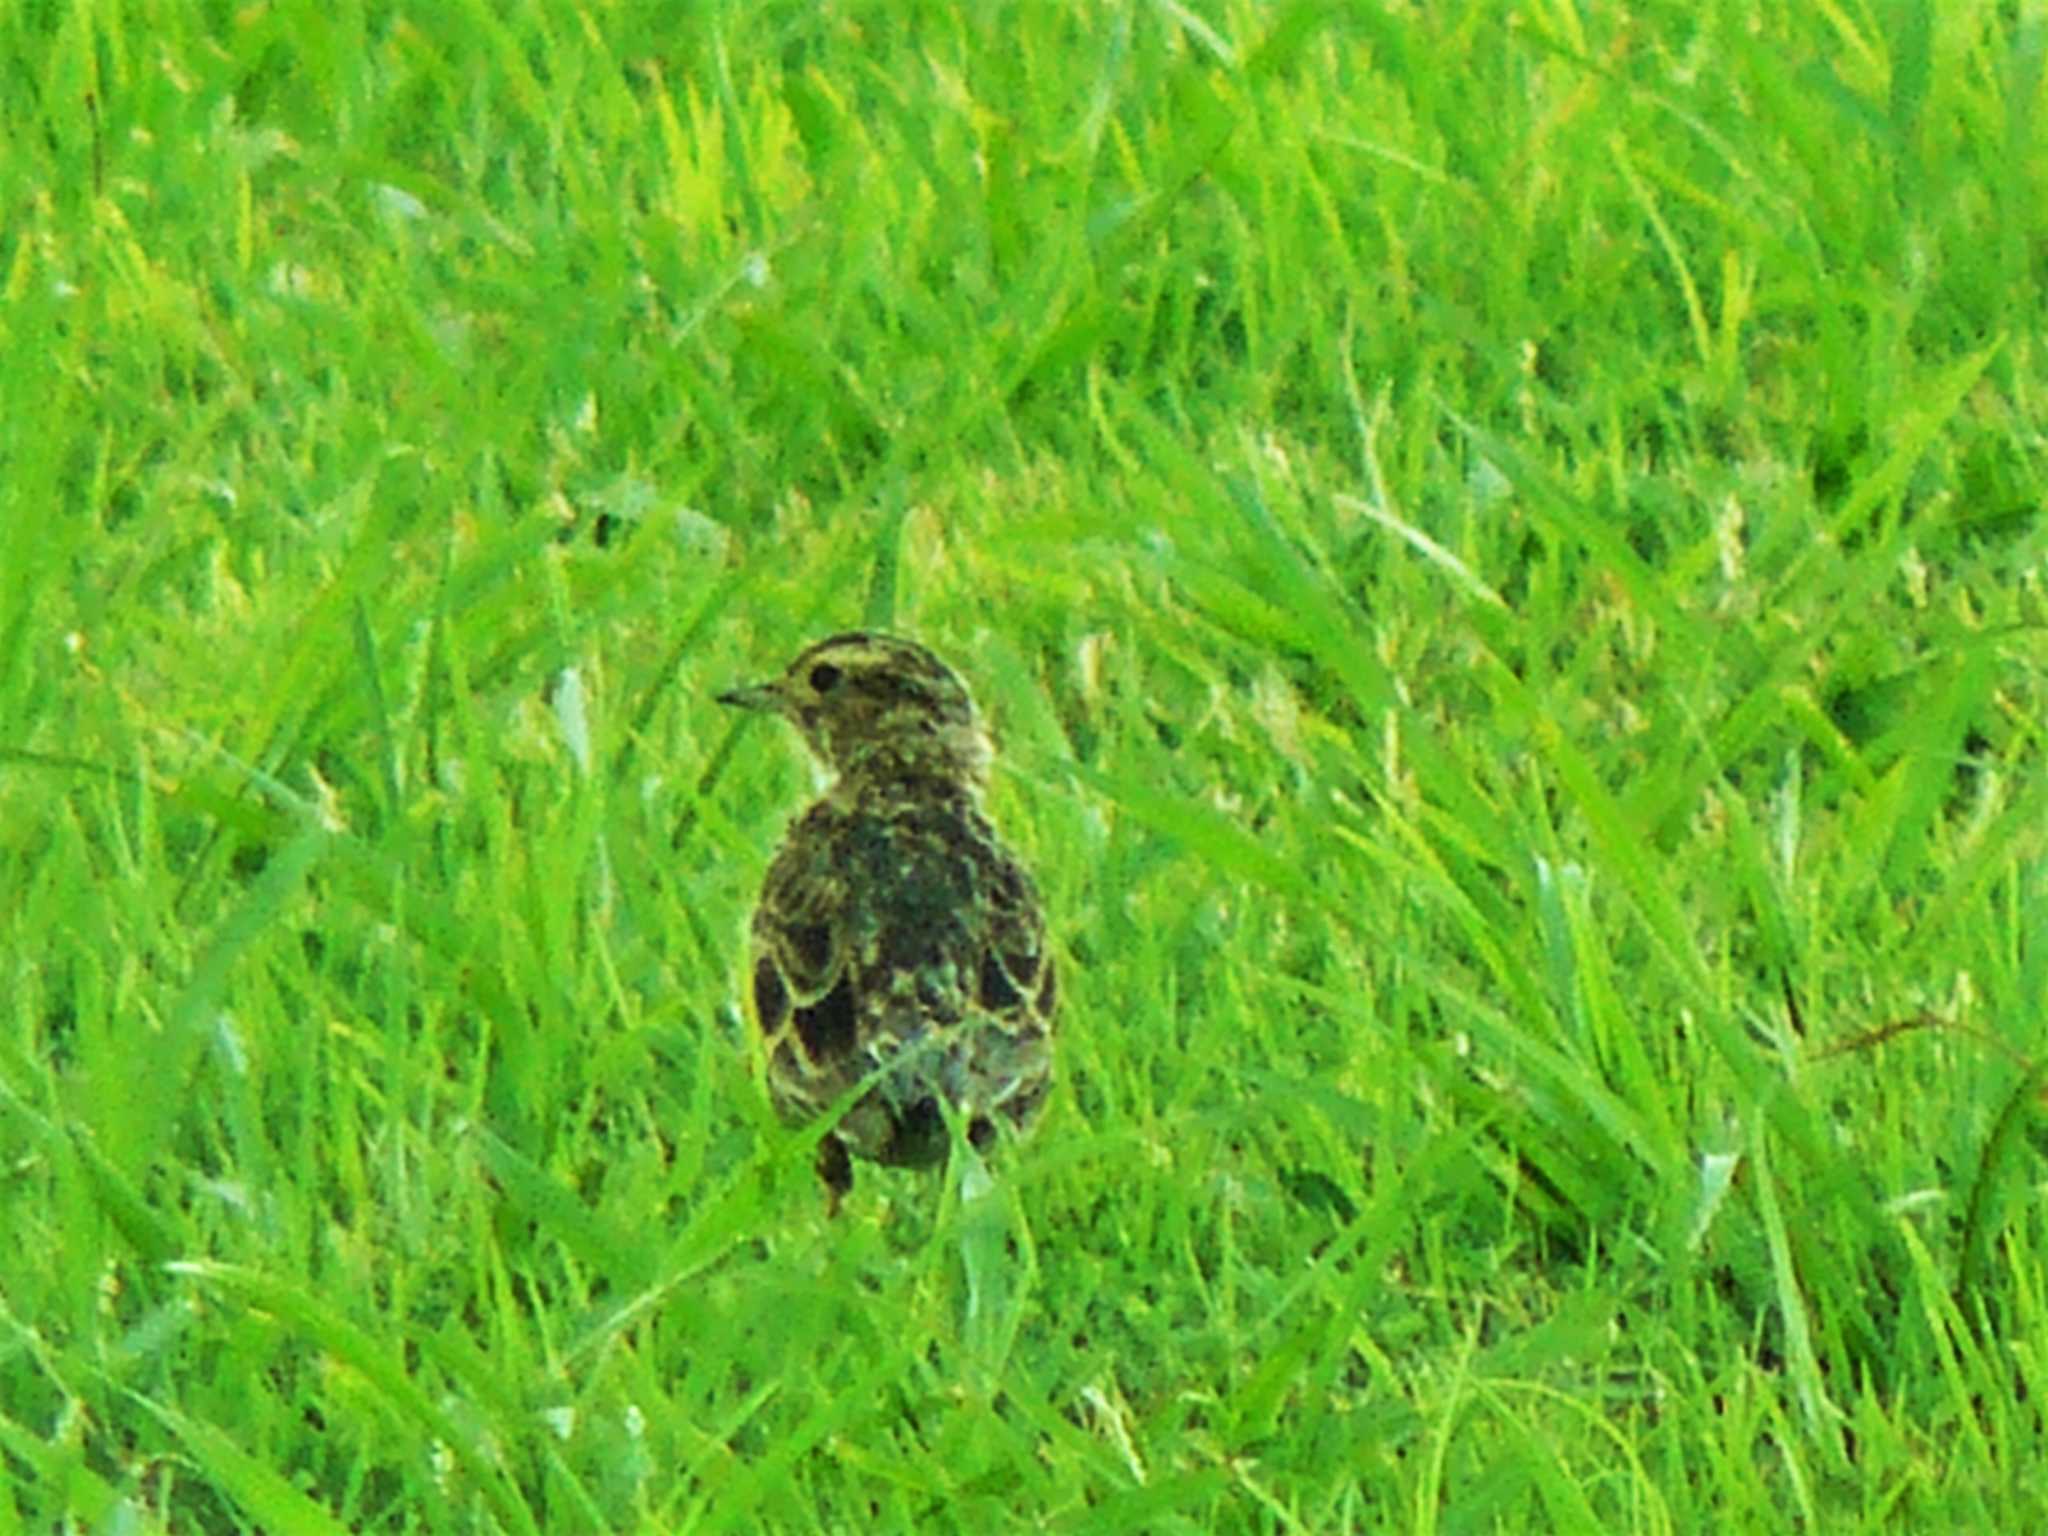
column 1504, row 546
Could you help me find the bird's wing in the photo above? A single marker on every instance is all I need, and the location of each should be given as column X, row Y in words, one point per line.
column 804, row 993
column 1014, row 980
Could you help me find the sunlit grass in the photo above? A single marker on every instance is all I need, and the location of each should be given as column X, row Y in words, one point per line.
column 1502, row 545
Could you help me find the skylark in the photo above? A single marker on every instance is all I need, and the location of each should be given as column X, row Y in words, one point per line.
column 897, row 942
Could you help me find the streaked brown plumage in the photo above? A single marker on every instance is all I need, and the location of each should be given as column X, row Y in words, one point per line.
column 896, row 935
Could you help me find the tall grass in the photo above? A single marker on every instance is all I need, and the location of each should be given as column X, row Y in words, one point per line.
column 1502, row 542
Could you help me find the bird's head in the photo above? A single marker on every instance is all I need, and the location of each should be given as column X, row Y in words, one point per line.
column 874, row 706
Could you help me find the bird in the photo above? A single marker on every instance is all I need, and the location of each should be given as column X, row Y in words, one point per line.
column 898, row 946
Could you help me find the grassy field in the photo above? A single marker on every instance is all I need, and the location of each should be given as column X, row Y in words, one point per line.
column 1504, row 546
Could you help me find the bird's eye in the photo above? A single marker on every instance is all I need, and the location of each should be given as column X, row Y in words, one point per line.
column 824, row 677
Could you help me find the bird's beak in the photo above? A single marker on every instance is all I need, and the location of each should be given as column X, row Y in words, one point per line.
column 753, row 696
